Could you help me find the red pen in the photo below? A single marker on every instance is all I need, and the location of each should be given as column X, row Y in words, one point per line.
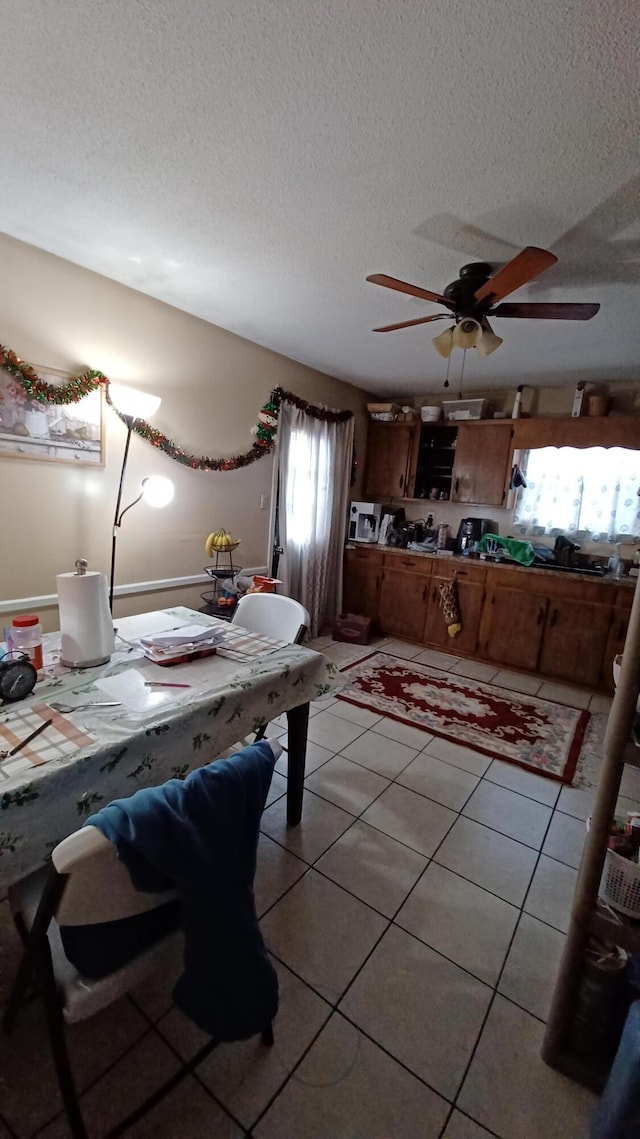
column 164, row 684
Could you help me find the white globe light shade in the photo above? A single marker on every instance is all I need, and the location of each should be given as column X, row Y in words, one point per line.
column 133, row 403
column 157, row 491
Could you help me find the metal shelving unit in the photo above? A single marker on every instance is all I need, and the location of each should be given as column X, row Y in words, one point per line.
column 218, row 573
column 587, row 920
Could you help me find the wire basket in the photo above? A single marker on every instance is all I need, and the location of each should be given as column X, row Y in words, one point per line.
column 620, row 884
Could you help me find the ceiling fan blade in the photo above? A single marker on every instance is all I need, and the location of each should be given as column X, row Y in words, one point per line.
column 521, row 269
column 410, row 323
column 547, row 311
column 412, row 290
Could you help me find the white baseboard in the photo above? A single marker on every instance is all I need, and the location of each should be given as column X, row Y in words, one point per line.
column 50, row 600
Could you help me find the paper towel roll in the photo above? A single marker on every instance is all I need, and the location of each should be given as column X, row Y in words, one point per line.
column 86, row 626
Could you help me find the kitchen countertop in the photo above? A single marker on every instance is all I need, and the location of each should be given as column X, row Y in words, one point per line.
column 459, row 559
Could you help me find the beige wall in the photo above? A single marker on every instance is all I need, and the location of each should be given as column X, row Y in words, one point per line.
column 212, row 384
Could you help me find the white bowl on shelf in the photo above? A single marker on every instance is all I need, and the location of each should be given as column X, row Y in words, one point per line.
column 430, row 414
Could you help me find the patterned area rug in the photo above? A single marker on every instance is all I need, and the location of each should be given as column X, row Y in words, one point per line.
column 535, row 734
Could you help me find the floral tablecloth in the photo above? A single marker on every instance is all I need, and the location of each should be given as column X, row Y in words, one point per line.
column 226, row 700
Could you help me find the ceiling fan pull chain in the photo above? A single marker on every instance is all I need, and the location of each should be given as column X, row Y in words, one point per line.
column 446, row 381
column 464, row 356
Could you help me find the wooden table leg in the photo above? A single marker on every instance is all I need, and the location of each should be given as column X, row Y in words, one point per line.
column 297, row 721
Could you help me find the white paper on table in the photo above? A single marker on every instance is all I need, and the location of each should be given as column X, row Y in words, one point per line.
column 131, row 629
column 130, row 689
column 184, row 635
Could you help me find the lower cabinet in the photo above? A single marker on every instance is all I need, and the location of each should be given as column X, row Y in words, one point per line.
column 403, row 599
column 617, row 636
column 470, row 599
column 512, row 627
column 574, row 642
column 361, row 586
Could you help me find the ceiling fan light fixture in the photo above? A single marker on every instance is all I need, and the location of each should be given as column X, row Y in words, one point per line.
column 443, row 343
column 467, row 333
column 488, row 342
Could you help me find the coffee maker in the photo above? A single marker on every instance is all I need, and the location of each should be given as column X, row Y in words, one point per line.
column 364, row 522
column 471, row 530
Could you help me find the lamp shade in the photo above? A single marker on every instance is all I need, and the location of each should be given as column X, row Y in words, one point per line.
column 133, row 403
column 443, row 343
column 467, row 333
column 157, row 491
column 488, row 342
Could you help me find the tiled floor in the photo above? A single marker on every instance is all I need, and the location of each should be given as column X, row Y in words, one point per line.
column 416, row 918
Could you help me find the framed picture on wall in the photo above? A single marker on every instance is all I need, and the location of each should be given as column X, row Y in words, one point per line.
column 57, row 433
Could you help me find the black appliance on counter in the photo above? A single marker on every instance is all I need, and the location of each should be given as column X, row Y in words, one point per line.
column 471, row 530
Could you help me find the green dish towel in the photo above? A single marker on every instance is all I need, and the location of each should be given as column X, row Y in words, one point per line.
column 511, row 548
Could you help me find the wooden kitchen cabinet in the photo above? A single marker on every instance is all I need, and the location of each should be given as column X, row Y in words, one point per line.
column 361, row 586
column 482, row 462
column 617, row 636
column 404, row 596
column 512, row 626
column 470, row 581
column 574, row 641
column 389, row 450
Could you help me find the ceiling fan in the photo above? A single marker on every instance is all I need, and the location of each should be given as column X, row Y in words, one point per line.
column 474, row 297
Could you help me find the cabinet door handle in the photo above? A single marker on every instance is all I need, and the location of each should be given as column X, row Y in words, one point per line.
column 433, row 595
column 424, row 593
column 456, row 485
column 378, row 582
column 541, row 614
column 401, row 480
column 554, row 618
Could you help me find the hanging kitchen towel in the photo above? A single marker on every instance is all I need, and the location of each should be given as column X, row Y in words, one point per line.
column 450, row 607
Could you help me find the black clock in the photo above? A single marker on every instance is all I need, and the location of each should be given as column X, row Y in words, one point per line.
column 17, row 678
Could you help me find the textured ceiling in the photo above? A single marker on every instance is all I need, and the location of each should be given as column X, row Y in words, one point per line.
column 251, row 161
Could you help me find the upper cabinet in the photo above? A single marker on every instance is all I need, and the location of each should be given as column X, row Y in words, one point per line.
column 389, row 448
column 462, row 462
column 482, row 461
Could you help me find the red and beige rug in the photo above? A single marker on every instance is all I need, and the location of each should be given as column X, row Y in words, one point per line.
column 535, row 734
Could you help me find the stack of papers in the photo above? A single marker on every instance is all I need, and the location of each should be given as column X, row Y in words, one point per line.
column 182, row 642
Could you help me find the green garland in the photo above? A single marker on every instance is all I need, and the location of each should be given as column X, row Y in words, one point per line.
column 92, row 379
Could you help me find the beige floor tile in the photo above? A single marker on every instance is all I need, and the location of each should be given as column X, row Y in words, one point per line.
column 445, row 661
column 348, row 785
column 403, row 649
column 600, row 703
column 355, row 713
column 564, row 694
column 276, row 870
column 551, row 893
column 277, row 789
column 460, row 920
column 415, row 738
column 373, row 866
column 532, row 966
column 524, row 782
column 463, row 757
column 489, row 859
column 517, row 681
column 321, row 824
column 419, row 1007
column 321, row 705
column 322, row 933
column 461, row 1127
column 475, row 670
column 315, row 757
column 332, row 732
column 565, row 839
column 244, row 1076
column 348, row 1087
column 380, row 754
column 511, row 814
column 189, row 1110
column 410, row 818
column 29, row 1093
column 577, row 801
column 511, row 1091
column 439, row 781
column 155, row 995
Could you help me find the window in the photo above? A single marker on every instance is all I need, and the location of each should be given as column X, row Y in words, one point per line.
column 308, row 487
column 591, row 492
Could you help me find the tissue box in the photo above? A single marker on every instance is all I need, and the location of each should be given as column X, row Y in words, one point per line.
column 353, row 628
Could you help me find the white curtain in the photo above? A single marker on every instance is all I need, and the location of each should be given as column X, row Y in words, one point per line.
column 313, row 459
column 592, row 491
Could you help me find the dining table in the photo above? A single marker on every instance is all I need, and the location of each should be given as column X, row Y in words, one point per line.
column 135, row 723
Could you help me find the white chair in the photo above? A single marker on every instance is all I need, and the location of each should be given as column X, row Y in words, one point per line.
column 273, row 615
column 86, row 884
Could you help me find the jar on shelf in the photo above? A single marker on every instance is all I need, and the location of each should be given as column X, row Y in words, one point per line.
column 26, row 637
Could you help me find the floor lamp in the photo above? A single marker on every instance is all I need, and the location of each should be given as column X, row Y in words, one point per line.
column 156, row 490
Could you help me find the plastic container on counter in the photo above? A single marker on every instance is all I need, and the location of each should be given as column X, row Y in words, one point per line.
column 26, row 637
